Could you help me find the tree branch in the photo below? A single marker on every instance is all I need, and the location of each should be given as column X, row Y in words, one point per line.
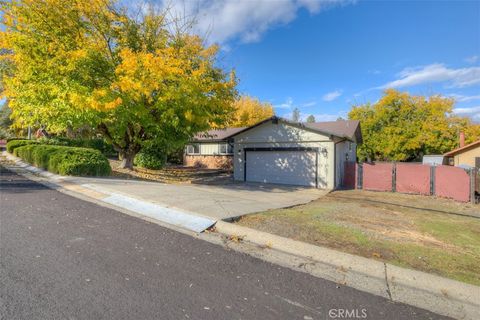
column 102, row 127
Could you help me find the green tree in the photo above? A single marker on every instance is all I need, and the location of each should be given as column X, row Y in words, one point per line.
column 402, row 127
column 296, row 115
column 311, row 118
column 5, row 111
column 128, row 77
column 5, row 121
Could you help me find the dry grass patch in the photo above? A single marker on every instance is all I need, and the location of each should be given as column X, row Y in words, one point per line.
column 433, row 235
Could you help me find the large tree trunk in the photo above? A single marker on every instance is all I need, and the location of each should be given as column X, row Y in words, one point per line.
column 127, row 159
column 128, row 148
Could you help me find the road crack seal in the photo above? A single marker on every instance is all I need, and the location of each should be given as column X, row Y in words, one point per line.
column 386, row 281
column 299, row 305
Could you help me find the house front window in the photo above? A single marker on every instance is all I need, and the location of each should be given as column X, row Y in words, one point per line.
column 193, row 148
column 225, row 148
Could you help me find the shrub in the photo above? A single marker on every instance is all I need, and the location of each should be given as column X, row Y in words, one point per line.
column 5, row 134
column 15, row 138
column 175, row 156
column 65, row 160
column 150, row 158
column 98, row 144
column 13, row 144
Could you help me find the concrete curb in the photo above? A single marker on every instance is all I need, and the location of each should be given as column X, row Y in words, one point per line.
column 437, row 294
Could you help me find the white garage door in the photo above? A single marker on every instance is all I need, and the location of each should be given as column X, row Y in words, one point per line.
column 282, row 167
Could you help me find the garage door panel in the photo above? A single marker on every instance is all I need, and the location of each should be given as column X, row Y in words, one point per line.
column 282, row 167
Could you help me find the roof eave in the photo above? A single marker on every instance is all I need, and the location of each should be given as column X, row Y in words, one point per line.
column 464, row 148
column 209, row 141
column 295, row 124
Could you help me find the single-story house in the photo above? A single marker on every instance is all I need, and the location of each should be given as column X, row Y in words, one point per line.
column 280, row 151
column 467, row 155
column 212, row 149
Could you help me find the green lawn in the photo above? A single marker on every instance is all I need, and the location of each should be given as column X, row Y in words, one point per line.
column 423, row 233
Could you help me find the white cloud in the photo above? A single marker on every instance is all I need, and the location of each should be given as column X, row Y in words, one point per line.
column 436, row 72
column 309, row 104
column 286, row 110
column 462, row 98
column 472, row 112
column 466, row 110
column 472, row 59
column 320, row 117
column 332, row 95
column 222, row 21
column 288, row 104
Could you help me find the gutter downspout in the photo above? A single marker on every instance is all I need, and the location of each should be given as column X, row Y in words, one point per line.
column 335, row 162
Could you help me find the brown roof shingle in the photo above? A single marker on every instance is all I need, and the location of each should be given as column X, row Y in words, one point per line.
column 343, row 128
column 349, row 129
column 217, row 134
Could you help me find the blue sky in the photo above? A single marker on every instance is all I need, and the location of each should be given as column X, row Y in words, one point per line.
column 325, row 56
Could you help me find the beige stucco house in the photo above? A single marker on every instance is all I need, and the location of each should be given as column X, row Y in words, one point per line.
column 284, row 152
column 468, row 155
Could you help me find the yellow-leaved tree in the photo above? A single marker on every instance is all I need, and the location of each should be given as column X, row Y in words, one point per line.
column 403, row 127
column 129, row 77
column 249, row 111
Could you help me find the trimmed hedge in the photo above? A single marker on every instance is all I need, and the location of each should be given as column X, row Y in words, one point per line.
column 98, row 144
column 15, row 138
column 65, row 160
column 13, row 144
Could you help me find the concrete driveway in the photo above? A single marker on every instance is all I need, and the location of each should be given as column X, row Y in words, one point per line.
column 213, row 201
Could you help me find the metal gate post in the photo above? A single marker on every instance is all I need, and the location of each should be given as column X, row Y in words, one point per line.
column 472, row 174
column 359, row 181
column 432, row 180
column 394, row 176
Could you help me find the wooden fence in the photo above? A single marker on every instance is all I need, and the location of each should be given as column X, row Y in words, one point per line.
column 415, row 178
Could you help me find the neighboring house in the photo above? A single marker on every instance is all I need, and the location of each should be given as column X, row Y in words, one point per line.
column 211, row 150
column 434, row 160
column 467, row 155
column 283, row 152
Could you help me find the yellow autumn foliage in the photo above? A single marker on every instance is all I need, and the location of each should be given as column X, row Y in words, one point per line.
column 249, row 111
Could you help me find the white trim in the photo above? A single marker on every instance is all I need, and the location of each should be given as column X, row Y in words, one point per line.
column 191, row 145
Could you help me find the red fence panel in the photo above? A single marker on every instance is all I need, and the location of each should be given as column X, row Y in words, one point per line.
column 413, row 178
column 350, row 175
column 452, row 182
column 377, row 176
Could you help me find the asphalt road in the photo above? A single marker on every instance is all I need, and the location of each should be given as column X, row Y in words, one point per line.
column 64, row 258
